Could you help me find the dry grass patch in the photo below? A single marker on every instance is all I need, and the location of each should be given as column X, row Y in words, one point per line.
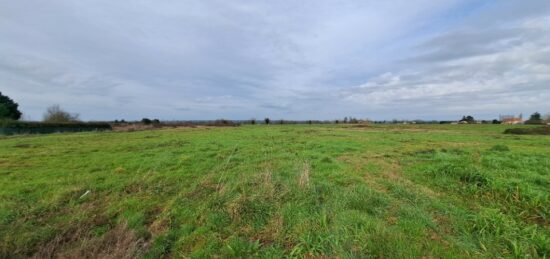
column 303, row 182
column 119, row 242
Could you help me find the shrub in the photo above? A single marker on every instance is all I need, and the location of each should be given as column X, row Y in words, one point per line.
column 267, row 121
column 146, row 121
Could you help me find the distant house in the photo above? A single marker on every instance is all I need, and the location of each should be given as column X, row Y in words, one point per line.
column 511, row 119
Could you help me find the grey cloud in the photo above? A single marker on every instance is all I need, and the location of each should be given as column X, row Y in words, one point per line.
column 284, row 59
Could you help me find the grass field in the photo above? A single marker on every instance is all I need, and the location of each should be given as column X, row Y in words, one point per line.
column 277, row 191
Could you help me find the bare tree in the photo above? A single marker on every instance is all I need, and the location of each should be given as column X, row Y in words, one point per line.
column 54, row 113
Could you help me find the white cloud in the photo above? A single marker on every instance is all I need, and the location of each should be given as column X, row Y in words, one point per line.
column 484, row 71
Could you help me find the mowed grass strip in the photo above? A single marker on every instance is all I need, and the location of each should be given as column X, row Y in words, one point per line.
column 277, row 191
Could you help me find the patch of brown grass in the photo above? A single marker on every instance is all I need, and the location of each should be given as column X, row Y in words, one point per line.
column 303, row 182
column 272, row 232
column 206, row 187
column 267, row 186
column 120, row 242
column 236, row 207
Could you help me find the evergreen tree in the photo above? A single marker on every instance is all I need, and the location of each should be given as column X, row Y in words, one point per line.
column 9, row 108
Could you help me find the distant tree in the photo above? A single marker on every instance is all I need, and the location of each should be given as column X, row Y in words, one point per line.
column 155, row 121
column 468, row 119
column 336, row 121
column 282, row 121
column 309, row 122
column 146, row 121
column 54, row 113
column 222, row 122
column 267, row 121
column 345, row 119
column 495, row 121
column 253, row 121
column 9, row 108
column 535, row 118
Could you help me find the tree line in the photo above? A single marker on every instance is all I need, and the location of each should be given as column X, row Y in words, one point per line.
column 9, row 109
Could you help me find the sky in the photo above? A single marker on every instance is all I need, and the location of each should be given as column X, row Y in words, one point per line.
column 310, row 59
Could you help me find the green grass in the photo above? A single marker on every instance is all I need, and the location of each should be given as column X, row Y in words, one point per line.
column 394, row 191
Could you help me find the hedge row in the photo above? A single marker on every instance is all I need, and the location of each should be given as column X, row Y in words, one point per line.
column 529, row 131
column 22, row 127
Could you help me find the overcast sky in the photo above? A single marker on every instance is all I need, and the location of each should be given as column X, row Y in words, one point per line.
column 208, row 59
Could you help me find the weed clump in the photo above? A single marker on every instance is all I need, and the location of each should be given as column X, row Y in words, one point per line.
column 475, row 178
column 454, row 151
column 426, row 152
column 500, row 148
column 364, row 199
column 464, row 173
